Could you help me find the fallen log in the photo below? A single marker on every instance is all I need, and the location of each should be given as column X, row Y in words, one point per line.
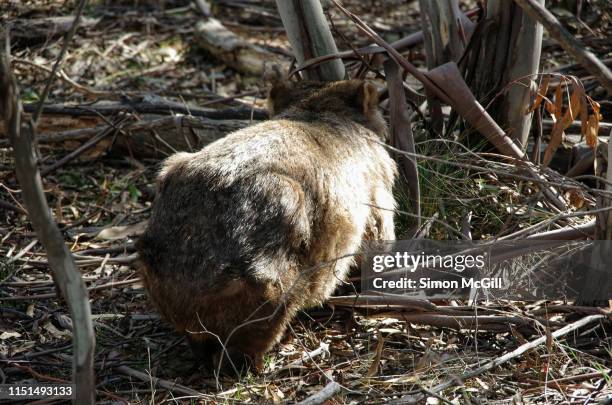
column 163, row 136
column 145, row 106
column 237, row 52
column 41, row 29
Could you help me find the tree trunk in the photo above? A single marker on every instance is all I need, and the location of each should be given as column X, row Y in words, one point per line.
column 506, row 55
column 310, row 37
column 441, row 20
column 445, row 33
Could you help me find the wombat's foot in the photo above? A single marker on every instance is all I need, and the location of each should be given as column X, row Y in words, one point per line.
column 231, row 362
column 203, row 351
column 236, row 363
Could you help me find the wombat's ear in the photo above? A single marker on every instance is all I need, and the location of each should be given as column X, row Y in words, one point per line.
column 368, row 97
column 280, row 96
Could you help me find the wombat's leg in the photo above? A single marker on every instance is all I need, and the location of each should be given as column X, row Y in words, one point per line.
column 237, row 363
column 203, row 349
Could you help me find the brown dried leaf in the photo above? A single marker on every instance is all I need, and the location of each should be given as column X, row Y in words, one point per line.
column 584, row 116
column 591, row 131
column 541, row 94
column 559, row 99
column 556, row 136
column 575, row 198
column 575, row 97
column 596, row 108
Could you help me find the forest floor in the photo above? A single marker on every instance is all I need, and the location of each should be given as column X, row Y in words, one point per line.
column 148, row 50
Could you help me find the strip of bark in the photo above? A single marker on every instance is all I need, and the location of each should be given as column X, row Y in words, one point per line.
column 401, row 134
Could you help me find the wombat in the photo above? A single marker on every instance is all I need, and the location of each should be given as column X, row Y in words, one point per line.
column 266, row 221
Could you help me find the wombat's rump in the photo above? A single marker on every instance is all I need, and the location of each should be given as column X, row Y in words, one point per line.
column 255, row 226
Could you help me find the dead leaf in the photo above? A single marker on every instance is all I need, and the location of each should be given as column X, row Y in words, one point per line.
column 591, row 131
column 556, row 136
column 575, row 198
column 560, row 125
column 574, row 106
column 584, row 116
column 559, row 98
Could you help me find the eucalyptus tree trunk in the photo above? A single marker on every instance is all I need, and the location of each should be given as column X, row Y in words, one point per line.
column 445, row 33
column 504, row 54
column 310, row 37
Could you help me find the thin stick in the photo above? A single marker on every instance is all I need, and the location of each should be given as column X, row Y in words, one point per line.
column 59, row 61
column 169, row 385
column 320, row 397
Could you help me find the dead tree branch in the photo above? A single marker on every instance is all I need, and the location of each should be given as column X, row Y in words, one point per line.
column 65, row 272
column 401, row 133
column 322, row 396
column 590, row 62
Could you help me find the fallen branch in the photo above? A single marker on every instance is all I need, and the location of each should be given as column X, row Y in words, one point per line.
column 235, row 51
column 81, row 149
column 574, row 232
column 53, row 294
column 169, row 385
column 590, row 62
column 162, row 107
column 35, row 29
column 322, row 396
column 383, row 299
column 401, row 134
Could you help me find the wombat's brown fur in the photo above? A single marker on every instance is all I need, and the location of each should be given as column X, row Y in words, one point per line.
column 255, row 226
